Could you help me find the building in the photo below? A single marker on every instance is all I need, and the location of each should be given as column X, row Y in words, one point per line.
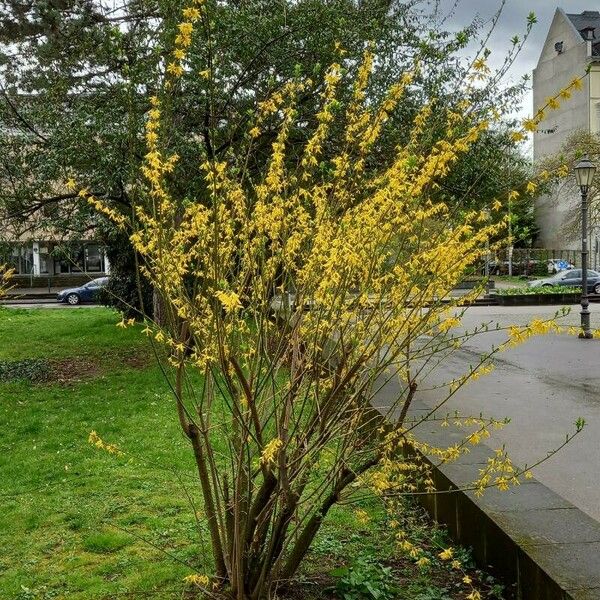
column 572, row 46
column 42, row 254
column 42, row 258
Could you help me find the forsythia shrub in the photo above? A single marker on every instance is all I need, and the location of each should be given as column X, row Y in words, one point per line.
column 297, row 292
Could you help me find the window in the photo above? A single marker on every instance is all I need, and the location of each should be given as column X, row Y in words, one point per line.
column 69, row 260
column 574, row 274
column 21, row 260
column 93, row 259
column 44, row 258
column 78, row 260
column 87, row 258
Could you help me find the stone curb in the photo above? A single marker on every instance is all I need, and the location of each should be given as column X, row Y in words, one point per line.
column 529, row 534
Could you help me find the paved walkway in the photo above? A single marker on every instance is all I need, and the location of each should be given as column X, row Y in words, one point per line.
column 543, row 386
column 36, row 291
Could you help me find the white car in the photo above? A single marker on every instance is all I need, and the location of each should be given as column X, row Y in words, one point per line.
column 556, row 265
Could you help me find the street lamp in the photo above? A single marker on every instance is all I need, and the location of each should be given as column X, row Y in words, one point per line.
column 486, row 215
column 584, row 174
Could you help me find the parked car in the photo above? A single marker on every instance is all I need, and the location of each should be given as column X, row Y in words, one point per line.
column 570, row 278
column 86, row 293
column 556, row 265
column 519, row 267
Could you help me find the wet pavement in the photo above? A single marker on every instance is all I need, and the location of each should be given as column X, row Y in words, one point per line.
column 543, row 386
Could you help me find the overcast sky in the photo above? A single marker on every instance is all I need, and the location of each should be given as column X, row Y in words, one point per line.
column 513, row 22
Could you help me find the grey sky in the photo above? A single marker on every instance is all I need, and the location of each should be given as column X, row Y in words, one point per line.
column 513, row 22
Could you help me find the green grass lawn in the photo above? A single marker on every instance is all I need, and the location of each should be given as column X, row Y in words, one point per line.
column 76, row 522
column 73, row 517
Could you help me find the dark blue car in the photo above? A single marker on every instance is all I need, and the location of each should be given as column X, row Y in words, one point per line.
column 86, row 293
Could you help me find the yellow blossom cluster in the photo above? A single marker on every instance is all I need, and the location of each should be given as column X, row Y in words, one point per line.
column 120, row 220
column 95, row 440
column 124, row 323
column 198, row 580
column 183, row 39
column 229, row 300
column 531, row 125
column 270, row 451
column 519, row 334
column 362, row 516
column 552, row 103
column 5, row 278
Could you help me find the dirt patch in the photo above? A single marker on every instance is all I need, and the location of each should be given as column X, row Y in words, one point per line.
column 74, row 369
column 136, row 360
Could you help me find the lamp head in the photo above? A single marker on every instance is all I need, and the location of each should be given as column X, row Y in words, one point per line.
column 585, row 170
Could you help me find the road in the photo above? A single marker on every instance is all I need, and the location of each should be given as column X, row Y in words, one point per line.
column 41, row 304
column 543, row 386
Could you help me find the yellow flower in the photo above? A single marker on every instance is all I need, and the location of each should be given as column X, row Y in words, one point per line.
column 449, row 323
column 565, row 94
column 175, row 68
column 199, row 580
column 576, row 84
column 481, row 65
column 530, row 125
column 340, row 49
column 185, row 28
column 362, row 516
column 205, row 74
column 191, row 14
column 183, row 41
column 466, row 579
column 95, row 440
column 71, row 184
column 270, row 451
column 531, row 187
column 446, row 554
column 229, row 300
column 254, row 132
column 456, row 564
column 423, row 562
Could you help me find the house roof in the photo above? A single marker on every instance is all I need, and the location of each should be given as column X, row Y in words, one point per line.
column 588, row 20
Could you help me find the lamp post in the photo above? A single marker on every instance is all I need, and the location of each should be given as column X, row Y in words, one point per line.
column 486, row 214
column 584, row 174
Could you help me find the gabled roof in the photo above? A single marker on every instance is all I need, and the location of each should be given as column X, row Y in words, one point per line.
column 588, row 21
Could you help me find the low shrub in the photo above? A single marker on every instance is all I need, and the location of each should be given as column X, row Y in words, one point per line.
column 29, row 369
column 543, row 290
column 365, row 579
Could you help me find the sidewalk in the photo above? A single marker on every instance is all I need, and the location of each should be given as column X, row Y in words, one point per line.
column 36, row 291
column 32, row 295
